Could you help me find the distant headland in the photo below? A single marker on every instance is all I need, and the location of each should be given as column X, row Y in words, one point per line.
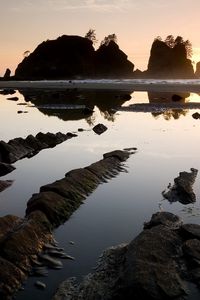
column 74, row 57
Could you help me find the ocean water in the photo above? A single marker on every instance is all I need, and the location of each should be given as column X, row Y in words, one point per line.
column 167, row 143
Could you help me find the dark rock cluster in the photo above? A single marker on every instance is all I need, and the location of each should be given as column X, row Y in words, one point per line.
column 74, row 56
column 19, row 148
column 156, row 265
column 24, row 240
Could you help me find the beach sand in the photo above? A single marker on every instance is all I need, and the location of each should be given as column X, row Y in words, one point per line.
column 127, row 85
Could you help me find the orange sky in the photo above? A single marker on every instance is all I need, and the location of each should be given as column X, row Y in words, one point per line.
column 26, row 23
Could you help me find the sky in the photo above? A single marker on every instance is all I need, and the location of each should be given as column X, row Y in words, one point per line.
column 26, row 23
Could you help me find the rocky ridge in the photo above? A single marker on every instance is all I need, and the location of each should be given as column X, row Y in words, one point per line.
column 23, row 239
column 156, row 265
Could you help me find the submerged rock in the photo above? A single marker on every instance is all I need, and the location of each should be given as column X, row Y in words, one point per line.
column 196, row 115
column 156, row 265
column 182, row 190
column 99, row 129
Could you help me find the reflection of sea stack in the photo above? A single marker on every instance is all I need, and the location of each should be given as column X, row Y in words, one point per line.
column 74, row 57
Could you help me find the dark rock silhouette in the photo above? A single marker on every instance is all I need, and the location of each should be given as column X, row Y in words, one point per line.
column 197, row 73
column 74, row 57
column 182, row 190
column 196, row 115
column 65, row 57
column 5, row 168
column 169, row 62
column 99, row 128
column 7, row 74
column 19, row 148
column 157, row 264
column 110, row 61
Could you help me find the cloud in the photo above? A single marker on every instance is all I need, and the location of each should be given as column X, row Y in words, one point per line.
column 100, row 5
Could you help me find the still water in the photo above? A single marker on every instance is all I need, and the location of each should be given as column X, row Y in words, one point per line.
column 167, row 143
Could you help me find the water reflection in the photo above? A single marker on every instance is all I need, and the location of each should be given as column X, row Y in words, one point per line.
column 77, row 105
column 167, row 97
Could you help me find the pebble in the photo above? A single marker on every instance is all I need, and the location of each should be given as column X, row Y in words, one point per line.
column 40, row 285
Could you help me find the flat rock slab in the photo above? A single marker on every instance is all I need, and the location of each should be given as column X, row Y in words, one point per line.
column 156, row 265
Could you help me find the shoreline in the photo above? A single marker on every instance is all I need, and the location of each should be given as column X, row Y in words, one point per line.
column 122, row 85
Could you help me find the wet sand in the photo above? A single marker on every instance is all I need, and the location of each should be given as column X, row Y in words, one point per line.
column 127, row 85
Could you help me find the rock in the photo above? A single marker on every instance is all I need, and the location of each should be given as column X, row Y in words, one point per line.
column 74, row 57
column 39, row 271
column 164, row 218
column 54, row 206
column 19, row 148
column 87, row 111
column 182, row 190
column 197, row 73
column 6, row 168
column 121, row 155
column 40, row 285
column 7, row 74
column 8, row 224
column 11, row 278
column 191, row 248
column 58, row 200
column 149, row 267
column 190, row 231
column 196, row 115
column 4, row 184
column 7, row 92
column 50, row 261
column 169, row 61
column 27, row 240
column 176, row 98
column 13, row 98
column 110, row 62
column 99, row 129
column 27, row 244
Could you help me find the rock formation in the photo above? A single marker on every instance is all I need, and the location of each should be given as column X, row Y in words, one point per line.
column 156, row 265
column 74, row 57
column 110, row 61
column 23, row 240
column 168, row 61
column 182, row 190
column 197, row 73
column 19, row 148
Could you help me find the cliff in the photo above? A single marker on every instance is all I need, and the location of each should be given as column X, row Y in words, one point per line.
column 64, row 57
column 74, row 57
column 169, row 62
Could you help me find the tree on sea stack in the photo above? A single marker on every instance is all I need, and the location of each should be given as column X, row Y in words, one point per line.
column 111, row 37
column 91, row 35
column 170, row 58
